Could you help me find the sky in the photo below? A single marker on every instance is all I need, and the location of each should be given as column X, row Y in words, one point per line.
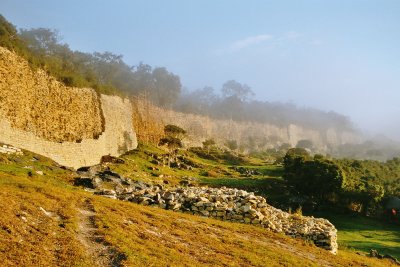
column 340, row 55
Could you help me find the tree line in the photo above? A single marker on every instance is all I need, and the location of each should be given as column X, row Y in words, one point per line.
column 359, row 185
column 108, row 73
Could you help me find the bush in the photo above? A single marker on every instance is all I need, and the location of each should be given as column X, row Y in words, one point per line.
column 171, row 142
column 173, row 130
column 318, row 178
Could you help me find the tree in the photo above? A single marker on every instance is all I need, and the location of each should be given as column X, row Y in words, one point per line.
column 285, row 146
column 167, row 87
column 207, row 144
column 172, row 140
column 305, row 143
column 202, row 100
column 174, row 131
column 43, row 41
column 9, row 36
column 235, row 89
column 318, row 178
column 368, row 192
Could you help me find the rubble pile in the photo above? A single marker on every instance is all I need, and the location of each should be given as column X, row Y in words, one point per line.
column 221, row 203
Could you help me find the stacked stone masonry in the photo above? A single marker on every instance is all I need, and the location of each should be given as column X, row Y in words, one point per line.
column 74, row 127
column 220, row 203
column 36, row 102
column 200, row 128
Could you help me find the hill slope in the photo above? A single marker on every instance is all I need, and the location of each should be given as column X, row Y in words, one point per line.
column 48, row 222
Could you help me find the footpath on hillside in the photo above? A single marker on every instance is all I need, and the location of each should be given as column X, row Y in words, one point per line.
column 101, row 252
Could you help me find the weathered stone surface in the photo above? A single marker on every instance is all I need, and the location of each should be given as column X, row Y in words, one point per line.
column 73, row 126
column 221, row 203
column 35, row 102
column 200, row 128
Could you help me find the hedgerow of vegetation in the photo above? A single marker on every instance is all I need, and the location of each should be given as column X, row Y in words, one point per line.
column 360, row 185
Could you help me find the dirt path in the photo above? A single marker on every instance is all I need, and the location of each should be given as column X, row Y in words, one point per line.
column 101, row 252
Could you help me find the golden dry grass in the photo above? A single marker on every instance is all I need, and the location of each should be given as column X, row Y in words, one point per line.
column 147, row 236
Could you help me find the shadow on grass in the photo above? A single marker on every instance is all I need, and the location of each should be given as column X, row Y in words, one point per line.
column 382, row 249
column 272, row 171
column 363, row 234
column 355, row 222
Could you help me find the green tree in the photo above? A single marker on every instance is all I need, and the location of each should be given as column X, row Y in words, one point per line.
column 42, row 41
column 9, row 37
column 318, row 178
column 305, row 143
column 174, row 131
column 208, row 144
column 173, row 139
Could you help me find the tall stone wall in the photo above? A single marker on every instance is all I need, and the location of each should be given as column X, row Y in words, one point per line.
column 36, row 102
column 117, row 138
column 263, row 135
column 75, row 127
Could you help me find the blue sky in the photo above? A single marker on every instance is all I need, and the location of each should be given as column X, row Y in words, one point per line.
column 341, row 55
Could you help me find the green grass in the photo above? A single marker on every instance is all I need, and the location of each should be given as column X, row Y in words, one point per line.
column 269, row 184
column 363, row 234
column 148, row 236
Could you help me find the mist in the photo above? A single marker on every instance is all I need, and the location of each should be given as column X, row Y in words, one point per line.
column 338, row 60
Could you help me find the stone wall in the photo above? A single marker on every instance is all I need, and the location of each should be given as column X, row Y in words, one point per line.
column 227, row 204
column 200, row 128
column 36, row 102
column 117, row 138
column 75, row 127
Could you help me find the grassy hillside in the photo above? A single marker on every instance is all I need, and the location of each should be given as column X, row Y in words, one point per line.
column 46, row 221
column 356, row 233
column 363, row 234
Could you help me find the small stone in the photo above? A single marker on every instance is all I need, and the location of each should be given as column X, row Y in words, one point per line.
column 205, row 213
column 246, row 208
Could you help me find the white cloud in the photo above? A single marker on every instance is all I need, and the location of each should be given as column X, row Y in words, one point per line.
column 249, row 41
column 278, row 41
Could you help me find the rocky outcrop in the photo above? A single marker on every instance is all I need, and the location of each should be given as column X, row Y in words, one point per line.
column 221, row 203
column 73, row 126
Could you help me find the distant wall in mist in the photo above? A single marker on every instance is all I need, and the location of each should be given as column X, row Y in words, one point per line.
column 260, row 135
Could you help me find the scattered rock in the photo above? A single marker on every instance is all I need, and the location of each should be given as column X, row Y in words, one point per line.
column 7, row 149
column 375, row 254
column 111, row 159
